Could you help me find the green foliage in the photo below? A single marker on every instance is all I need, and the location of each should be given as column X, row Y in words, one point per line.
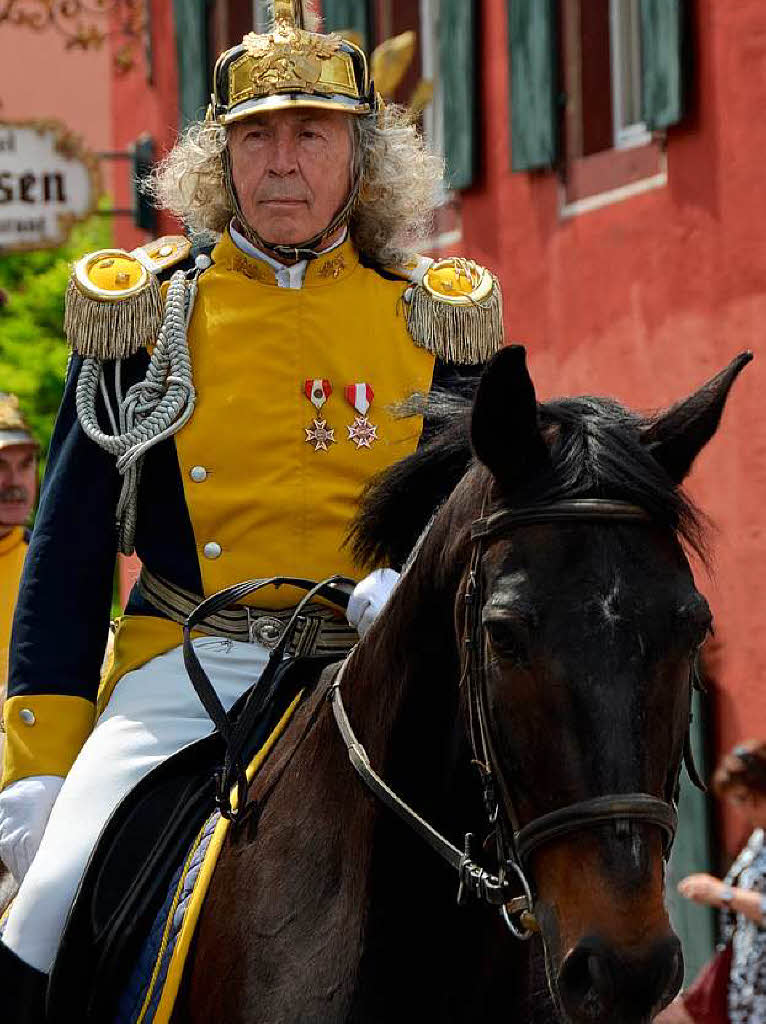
column 33, row 351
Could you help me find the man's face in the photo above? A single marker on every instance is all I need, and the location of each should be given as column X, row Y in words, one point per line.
column 292, row 171
column 18, row 483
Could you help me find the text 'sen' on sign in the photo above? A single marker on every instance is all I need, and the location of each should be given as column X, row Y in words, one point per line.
column 48, row 182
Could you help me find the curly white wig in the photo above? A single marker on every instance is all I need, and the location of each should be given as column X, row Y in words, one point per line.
column 399, row 191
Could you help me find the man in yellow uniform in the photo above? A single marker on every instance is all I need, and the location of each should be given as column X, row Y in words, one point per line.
column 221, row 426
column 18, row 489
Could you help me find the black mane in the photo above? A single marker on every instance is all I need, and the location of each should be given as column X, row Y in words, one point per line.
column 596, row 451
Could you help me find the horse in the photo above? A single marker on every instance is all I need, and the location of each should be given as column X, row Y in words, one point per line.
column 565, row 528
column 529, row 681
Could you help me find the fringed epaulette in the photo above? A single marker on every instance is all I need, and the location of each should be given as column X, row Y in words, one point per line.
column 113, row 301
column 454, row 309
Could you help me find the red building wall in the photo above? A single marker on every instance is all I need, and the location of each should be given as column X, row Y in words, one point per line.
column 647, row 297
column 41, row 79
column 145, row 100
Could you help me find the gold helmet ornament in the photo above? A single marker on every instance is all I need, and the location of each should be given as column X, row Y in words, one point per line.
column 287, row 68
column 290, row 67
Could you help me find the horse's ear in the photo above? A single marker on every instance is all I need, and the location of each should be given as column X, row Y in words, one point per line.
column 678, row 435
column 505, row 432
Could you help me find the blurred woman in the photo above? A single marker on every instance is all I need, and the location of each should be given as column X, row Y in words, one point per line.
column 740, row 779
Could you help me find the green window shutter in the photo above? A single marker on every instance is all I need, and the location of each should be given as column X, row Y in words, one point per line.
column 534, row 83
column 661, row 60
column 353, row 14
column 191, row 47
column 457, row 73
column 694, row 924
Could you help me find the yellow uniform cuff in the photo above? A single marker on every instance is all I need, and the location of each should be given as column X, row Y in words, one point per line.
column 44, row 734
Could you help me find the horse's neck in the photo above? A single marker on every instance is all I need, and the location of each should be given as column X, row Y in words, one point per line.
column 403, row 700
column 401, row 686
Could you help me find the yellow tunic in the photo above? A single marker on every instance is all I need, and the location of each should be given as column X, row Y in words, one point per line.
column 13, row 548
column 268, row 502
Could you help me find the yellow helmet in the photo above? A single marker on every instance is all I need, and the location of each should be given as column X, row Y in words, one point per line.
column 13, row 427
column 290, row 67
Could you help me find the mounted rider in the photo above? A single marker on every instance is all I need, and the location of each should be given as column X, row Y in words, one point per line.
column 226, row 421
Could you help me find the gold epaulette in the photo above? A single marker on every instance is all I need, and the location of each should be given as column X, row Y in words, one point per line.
column 113, row 302
column 454, row 308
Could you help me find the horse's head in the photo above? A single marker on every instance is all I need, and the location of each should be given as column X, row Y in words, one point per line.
column 589, row 628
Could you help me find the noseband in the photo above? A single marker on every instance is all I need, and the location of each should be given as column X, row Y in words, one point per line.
column 516, row 843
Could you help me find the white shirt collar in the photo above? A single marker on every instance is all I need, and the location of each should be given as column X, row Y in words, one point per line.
column 287, row 277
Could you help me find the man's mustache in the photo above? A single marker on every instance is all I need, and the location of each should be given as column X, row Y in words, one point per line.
column 13, row 494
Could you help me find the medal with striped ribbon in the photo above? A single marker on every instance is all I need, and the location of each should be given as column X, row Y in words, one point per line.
column 363, row 433
column 319, row 434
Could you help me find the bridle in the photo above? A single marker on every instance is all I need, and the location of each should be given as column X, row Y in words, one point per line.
column 515, row 843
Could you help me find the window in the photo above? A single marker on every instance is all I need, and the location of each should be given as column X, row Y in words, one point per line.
column 608, row 151
column 591, row 80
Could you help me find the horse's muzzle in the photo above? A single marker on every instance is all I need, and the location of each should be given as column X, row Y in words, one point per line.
column 598, row 983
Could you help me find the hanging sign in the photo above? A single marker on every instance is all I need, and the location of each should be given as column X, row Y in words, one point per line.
column 48, row 182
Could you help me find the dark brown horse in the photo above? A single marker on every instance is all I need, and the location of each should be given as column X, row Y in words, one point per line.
column 328, row 909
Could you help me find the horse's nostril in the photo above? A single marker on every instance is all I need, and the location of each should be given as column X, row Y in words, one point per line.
column 601, row 975
column 586, row 982
column 597, row 983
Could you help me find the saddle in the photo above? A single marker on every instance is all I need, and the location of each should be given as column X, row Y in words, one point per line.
column 140, row 851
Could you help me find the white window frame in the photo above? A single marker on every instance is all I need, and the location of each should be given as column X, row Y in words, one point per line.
column 433, row 115
column 626, row 136
column 260, row 17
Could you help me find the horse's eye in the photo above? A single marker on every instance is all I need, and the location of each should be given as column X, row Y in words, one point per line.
column 508, row 637
column 697, row 622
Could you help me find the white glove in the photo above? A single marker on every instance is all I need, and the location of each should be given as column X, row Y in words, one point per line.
column 369, row 597
column 25, row 807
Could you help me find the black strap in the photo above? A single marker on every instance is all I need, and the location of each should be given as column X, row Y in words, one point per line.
column 638, row 807
column 577, row 510
column 336, row 589
column 474, row 880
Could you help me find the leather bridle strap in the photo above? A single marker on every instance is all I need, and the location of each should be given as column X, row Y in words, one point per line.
column 474, row 880
column 577, row 510
column 634, row 807
column 335, row 589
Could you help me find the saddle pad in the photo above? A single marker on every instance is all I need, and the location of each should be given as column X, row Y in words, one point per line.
column 137, row 861
column 151, row 992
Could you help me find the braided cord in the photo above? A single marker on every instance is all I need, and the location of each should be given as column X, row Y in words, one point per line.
column 151, row 410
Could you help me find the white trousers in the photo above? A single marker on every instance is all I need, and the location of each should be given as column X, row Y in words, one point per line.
column 153, row 713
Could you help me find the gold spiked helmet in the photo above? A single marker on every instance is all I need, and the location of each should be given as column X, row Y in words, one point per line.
column 290, row 67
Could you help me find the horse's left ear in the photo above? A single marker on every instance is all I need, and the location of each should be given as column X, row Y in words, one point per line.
column 505, row 432
column 677, row 436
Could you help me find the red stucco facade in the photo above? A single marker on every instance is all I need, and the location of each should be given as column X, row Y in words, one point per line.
column 645, row 298
column 145, row 101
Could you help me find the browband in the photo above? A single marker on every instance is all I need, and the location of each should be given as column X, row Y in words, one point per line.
column 575, row 510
